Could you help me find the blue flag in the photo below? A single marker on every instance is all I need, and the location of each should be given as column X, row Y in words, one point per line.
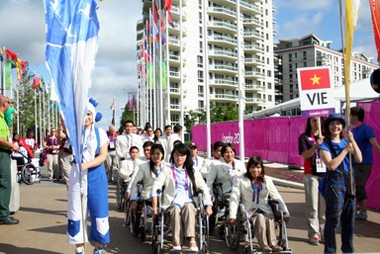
column 71, row 47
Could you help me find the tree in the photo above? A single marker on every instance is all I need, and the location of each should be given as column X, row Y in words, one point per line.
column 219, row 113
column 27, row 101
column 128, row 114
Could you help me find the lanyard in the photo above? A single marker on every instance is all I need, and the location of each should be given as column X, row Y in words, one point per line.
column 175, row 179
column 256, row 187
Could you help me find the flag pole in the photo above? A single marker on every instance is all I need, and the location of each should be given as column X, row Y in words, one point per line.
column 181, row 119
column 161, row 108
column 154, row 80
column 168, row 120
column 346, row 52
column 3, row 73
column 205, row 79
column 240, row 83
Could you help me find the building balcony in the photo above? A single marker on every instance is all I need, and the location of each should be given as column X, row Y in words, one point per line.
column 223, row 83
column 176, row 2
column 223, row 97
column 222, row 40
column 254, row 87
column 223, row 69
column 175, row 107
column 222, row 13
column 174, row 29
column 254, row 101
column 175, row 75
column 253, row 47
column 227, row 3
column 222, row 26
column 223, row 55
column 253, row 22
column 253, row 74
column 250, row 8
column 254, row 61
column 254, row 35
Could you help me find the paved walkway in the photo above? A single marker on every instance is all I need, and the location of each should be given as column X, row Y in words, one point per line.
column 43, row 223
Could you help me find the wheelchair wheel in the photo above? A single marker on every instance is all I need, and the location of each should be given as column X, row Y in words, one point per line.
column 142, row 233
column 119, row 195
column 232, row 235
column 28, row 174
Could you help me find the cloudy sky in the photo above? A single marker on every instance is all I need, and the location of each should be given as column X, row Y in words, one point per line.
column 22, row 30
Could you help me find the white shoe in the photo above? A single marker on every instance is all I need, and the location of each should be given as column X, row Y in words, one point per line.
column 176, row 248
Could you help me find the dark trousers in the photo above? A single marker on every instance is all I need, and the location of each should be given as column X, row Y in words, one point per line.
column 5, row 184
column 340, row 208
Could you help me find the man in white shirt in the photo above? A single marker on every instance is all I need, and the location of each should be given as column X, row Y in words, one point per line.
column 164, row 139
column 217, row 147
column 126, row 141
column 197, row 160
column 177, row 135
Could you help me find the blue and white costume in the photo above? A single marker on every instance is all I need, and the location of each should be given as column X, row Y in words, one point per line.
column 95, row 193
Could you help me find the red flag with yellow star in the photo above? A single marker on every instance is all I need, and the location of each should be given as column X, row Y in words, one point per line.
column 315, row 78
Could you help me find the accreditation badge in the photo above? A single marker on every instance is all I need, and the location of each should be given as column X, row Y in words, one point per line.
column 321, row 167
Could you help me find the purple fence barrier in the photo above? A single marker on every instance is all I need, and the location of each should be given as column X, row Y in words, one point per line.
column 372, row 113
column 276, row 139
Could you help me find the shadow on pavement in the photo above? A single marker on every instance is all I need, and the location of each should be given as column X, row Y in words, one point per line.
column 10, row 249
column 40, row 210
column 61, row 229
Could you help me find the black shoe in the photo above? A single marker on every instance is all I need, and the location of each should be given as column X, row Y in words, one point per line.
column 9, row 221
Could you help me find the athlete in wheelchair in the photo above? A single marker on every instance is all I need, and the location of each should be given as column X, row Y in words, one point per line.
column 252, row 200
column 220, row 178
column 141, row 188
column 184, row 200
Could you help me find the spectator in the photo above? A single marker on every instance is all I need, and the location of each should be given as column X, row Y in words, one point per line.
column 111, row 156
column 52, row 155
column 65, row 154
column 30, row 143
column 6, row 147
column 366, row 139
column 217, row 155
column 308, row 145
column 157, row 135
column 197, row 160
column 164, row 141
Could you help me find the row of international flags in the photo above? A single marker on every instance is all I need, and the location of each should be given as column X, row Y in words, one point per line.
column 11, row 61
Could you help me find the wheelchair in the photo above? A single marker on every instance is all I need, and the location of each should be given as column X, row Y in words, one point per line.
column 161, row 228
column 28, row 171
column 243, row 231
column 219, row 210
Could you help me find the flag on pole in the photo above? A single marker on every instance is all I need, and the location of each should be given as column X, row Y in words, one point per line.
column 314, row 78
column 375, row 12
column 71, row 47
column 11, row 55
column 8, row 74
column 113, row 108
column 36, row 82
column 351, row 11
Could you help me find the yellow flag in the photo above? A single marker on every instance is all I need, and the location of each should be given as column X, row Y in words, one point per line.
column 351, row 11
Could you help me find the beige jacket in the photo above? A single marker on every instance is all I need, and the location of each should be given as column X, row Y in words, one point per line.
column 123, row 145
column 166, row 179
column 147, row 177
column 242, row 192
column 219, row 173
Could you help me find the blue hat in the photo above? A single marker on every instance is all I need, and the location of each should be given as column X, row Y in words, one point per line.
column 332, row 118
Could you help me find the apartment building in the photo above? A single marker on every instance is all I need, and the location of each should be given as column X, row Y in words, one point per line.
column 310, row 51
column 210, row 54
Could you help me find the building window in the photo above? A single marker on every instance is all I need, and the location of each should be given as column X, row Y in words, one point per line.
column 200, row 76
column 200, row 61
column 269, row 97
column 201, row 104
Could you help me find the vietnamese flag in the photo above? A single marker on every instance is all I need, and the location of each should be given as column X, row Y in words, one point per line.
column 318, row 78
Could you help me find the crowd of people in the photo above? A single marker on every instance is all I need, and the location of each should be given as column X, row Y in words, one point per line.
column 161, row 161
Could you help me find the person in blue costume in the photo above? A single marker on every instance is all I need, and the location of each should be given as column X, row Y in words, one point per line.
column 340, row 201
column 91, row 182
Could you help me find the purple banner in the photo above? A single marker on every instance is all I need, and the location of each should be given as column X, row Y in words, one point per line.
column 372, row 113
column 276, row 139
